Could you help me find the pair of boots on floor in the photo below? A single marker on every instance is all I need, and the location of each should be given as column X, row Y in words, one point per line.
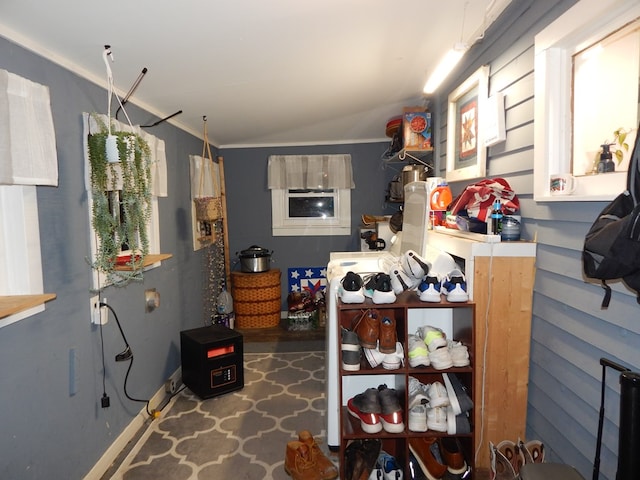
column 304, row 460
column 508, row 457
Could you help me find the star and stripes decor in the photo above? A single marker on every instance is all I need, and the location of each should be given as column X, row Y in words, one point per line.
column 307, row 279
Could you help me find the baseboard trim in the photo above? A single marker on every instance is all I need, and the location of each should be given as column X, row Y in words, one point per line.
column 129, row 433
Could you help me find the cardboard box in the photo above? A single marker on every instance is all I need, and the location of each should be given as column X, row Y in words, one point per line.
column 416, row 129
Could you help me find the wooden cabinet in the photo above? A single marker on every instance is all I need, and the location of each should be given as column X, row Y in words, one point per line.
column 456, row 320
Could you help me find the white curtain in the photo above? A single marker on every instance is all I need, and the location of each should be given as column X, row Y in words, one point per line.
column 288, row 172
column 27, row 137
column 205, row 177
column 156, row 146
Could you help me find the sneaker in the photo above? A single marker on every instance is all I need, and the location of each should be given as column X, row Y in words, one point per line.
column 459, row 354
column 429, row 289
column 388, row 336
column 438, row 395
column 350, row 289
column 391, row 411
column 393, row 361
column 400, row 281
column 376, row 472
column 351, row 352
column 418, row 418
column 366, row 407
column 418, row 352
column 457, row 424
column 415, row 472
column 454, row 286
column 440, row 359
column 367, row 327
column 456, row 392
column 378, row 288
column 437, row 419
column 418, row 392
column 413, row 265
column 390, row 468
column 373, row 356
column 433, row 337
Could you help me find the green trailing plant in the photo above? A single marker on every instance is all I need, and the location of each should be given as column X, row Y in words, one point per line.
column 619, row 145
column 122, row 222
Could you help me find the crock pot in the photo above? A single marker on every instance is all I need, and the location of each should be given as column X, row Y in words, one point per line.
column 255, row 259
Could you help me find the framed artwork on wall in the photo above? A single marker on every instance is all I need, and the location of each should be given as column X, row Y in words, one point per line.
column 466, row 151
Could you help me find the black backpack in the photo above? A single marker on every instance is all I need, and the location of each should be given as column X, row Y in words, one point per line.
column 612, row 245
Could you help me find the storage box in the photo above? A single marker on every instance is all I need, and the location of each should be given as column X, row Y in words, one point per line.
column 416, row 129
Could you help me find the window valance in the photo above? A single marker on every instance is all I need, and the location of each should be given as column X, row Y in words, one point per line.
column 27, row 137
column 318, row 172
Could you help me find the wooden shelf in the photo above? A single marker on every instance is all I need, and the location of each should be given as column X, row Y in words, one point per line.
column 17, row 303
column 148, row 260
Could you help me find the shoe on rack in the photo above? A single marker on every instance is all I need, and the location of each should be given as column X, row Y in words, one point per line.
column 433, row 337
column 418, row 418
column 415, row 472
column 427, row 455
column 400, row 281
column 438, row 395
column 418, row 352
column 418, row 392
column 367, row 327
column 351, row 351
column 361, row 457
column 378, row 287
column 429, row 289
column 389, row 466
column 453, row 456
column 393, row 361
column 437, row 419
column 454, row 286
column 414, row 265
column 299, row 463
column 459, row 354
column 366, row 407
column 391, row 411
column 459, row 399
column 501, row 468
column 457, row 424
column 351, row 288
column 328, row 471
column 440, row 358
column 388, row 336
column 373, row 356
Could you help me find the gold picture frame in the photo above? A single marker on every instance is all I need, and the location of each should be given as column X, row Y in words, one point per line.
column 466, row 150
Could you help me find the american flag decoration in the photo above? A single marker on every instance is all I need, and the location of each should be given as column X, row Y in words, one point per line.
column 310, row 279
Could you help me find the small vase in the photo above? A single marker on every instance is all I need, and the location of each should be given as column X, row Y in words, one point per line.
column 111, row 146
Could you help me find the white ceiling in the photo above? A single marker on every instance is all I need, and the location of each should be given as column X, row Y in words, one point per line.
column 264, row 72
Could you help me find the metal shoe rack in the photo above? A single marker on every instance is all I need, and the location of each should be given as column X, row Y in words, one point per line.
column 457, row 321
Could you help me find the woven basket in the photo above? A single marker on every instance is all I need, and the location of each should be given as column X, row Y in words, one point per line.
column 256, row 299
column 208, row 208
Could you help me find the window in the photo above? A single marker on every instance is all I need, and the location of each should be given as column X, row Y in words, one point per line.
column 311, row 212
column 310, row 194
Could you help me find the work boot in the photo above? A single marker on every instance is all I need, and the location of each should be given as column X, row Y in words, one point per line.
column 388, row 335
column 367, row 326
column 327, row 469
column 298, row 462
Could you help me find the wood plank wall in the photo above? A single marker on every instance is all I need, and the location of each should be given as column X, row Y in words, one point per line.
column 570, row 332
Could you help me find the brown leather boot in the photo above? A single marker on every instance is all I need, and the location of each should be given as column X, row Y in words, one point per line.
column 327, row 469
column 298, row 462
column 367, row 326
column 427, row 454
column 388, row 336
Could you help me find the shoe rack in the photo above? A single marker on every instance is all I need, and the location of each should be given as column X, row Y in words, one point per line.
column 456, row 320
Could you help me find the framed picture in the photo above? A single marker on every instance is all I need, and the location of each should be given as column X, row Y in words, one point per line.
column 466, row 151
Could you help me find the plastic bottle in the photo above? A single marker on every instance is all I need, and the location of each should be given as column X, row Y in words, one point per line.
column 440, row 197
column 496, row 218
column 225, row 307
column 606, row 160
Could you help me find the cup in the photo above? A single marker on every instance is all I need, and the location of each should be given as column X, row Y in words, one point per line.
column 562, row 184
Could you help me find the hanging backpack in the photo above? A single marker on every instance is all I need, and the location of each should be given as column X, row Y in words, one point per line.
column 612, row 245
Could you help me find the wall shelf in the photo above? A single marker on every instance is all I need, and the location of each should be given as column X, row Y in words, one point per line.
column 12, row 304
column 410, row 156
column 148, row 260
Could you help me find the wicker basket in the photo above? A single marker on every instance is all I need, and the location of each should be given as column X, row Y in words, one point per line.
column 208, row 209
column 256, row 299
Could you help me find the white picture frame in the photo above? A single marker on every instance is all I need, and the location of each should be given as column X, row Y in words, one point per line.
column 466, row 149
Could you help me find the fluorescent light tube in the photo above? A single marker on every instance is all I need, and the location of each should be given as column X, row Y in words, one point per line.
column 444, row 68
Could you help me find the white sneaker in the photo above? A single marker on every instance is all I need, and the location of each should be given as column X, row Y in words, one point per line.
column 437, row 419
column 433, row 337
column 400, row 281
column 418, row 392
column 418, row 418
column 454, row 286
column 393, row 361
column 438, row 396
column 418, row 352
column 440, row 358
column 459, row 354
column 373, row 356
column 414, row 265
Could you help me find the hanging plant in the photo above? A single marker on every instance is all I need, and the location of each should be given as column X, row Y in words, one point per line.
column 121, row 203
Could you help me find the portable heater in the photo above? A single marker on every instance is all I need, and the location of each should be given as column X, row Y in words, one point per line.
column 212, row 360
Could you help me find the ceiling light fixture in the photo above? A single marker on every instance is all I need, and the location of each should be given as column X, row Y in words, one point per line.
column 444, row 68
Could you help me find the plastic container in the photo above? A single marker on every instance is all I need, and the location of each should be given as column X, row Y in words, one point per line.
column 441, row 197
column 510, row 228
column 224, row 307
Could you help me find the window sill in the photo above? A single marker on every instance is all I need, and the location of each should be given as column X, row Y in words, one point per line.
column 148, row 260
column 13, row 304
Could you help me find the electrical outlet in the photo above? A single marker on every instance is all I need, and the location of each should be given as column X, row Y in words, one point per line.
column 173, row 383
column 99, row 315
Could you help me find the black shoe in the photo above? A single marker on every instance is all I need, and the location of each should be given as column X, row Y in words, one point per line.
column 361, row 457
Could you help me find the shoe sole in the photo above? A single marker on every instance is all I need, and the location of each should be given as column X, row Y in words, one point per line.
column 390, row 427
column 422, row 465
column 383, row 297
column 454, row 398
column 366, row 427
column 351, row 297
